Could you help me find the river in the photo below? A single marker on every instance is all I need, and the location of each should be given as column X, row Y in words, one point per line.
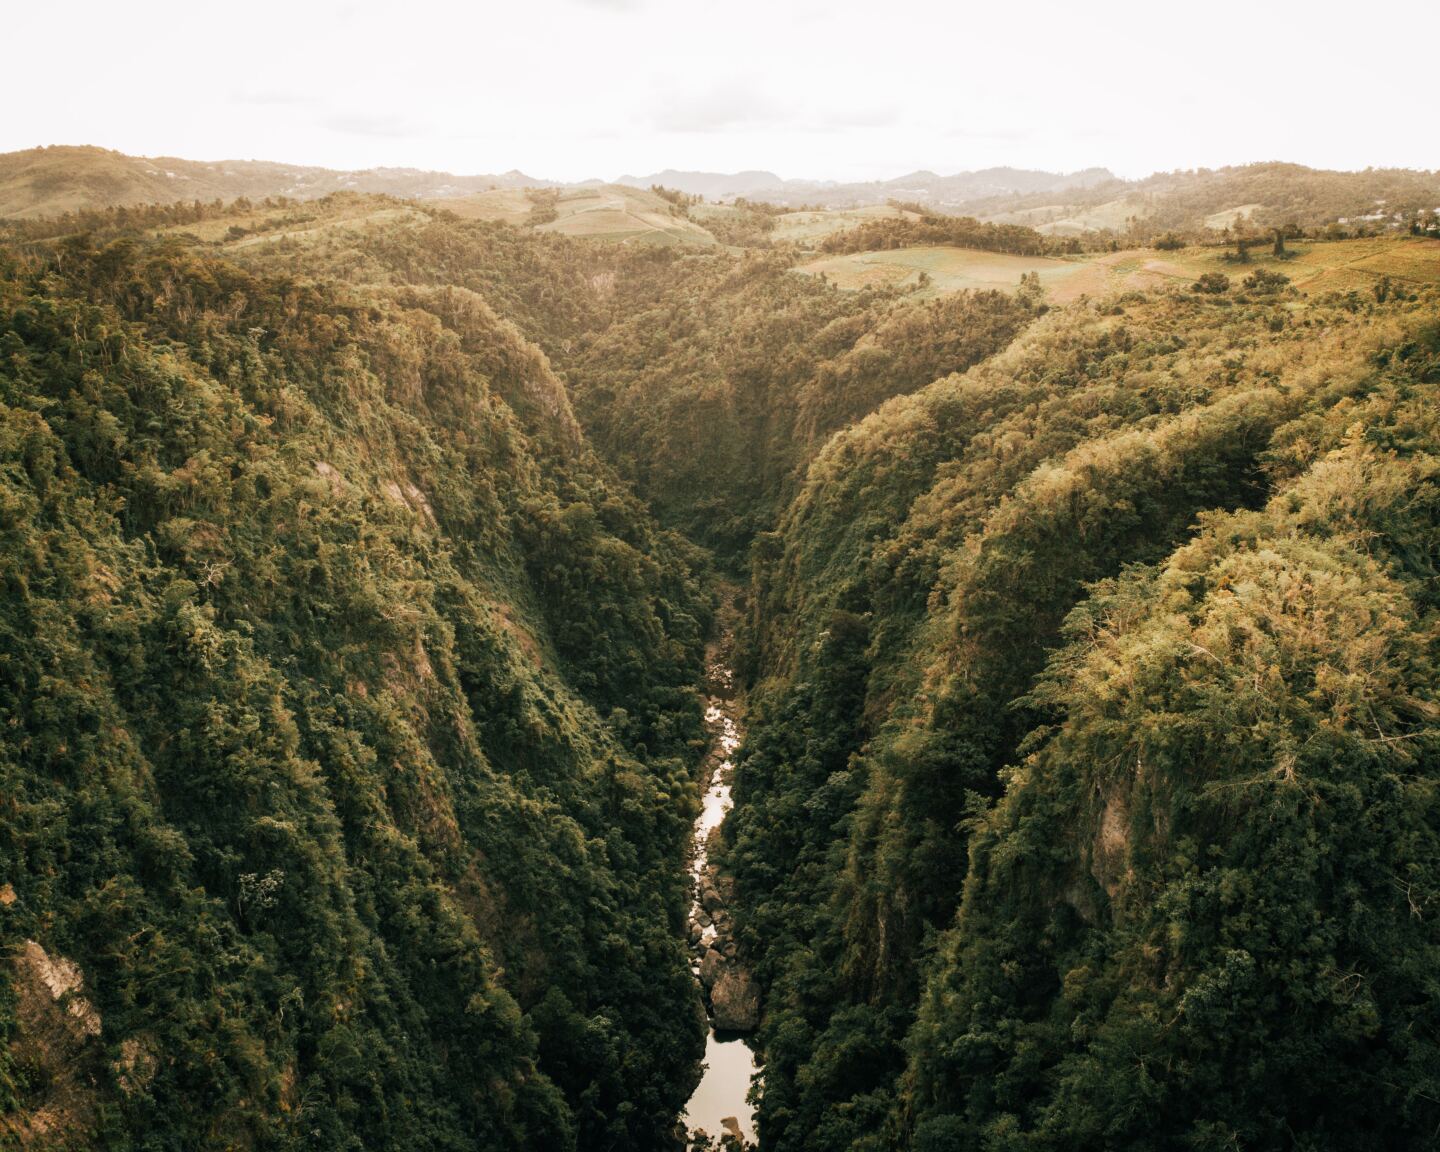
column 718, row 1104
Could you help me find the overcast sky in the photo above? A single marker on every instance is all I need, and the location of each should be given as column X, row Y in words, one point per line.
column 571, row 89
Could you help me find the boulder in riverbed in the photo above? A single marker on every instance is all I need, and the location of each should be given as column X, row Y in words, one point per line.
column 734, row 999
column 710, row 967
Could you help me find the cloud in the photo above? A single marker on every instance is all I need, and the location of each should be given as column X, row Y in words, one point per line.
column 272, row 98
column 837, row 119
column 371, row 124
column 730, row 103
column 745, row 102
column 1006, row 134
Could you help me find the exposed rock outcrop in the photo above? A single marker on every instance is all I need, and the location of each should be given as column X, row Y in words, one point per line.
column 58, row 1030
column 735, row 1000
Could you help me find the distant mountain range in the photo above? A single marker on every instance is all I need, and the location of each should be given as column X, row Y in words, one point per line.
column 711, row 185
column 923, row 187
column 68, row 178
column 63, row 178
column 51, row 181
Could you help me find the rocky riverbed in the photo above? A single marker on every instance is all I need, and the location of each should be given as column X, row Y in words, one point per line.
column 719, row 1107
column 733, row 997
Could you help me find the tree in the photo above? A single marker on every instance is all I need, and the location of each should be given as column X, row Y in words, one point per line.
column 1263, row 281
column 1031, row 292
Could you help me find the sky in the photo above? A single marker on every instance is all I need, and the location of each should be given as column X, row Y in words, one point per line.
column 843, row 90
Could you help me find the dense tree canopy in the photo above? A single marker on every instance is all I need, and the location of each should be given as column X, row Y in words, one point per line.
column 358, row 565
column 363, row 826
column 902, row 614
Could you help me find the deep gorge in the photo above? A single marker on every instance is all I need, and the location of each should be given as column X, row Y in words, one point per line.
column 375, row 608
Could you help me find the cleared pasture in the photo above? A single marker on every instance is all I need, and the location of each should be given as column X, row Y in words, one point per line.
column 1111, row 215
column 1313, row 267
column 1219, row 221
column 949, row 270
column 807, row 228
column 508, row 205
column 621, row 214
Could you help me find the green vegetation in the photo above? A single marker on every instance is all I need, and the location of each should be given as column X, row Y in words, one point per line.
column 1169, row 901
column 721, row 379
column 359, row 558
column 934, row 271
column 347, row 727
column 611, row 212
column 1232, row 793
column 805, row 227
column 42, row 182
column 1313, row 266
column 915, row 229
column 1201, row 201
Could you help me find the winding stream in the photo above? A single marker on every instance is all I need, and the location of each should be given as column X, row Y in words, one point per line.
column 718, row 1105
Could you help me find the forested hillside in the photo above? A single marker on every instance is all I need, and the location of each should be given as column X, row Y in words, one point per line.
column 348, row 716
column 1174, row 780
column 359, row 563
column 43, row 182
column 719, row 381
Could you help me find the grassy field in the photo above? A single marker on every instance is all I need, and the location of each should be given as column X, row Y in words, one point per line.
column 1111, row 214
column 609, row 212
column 808, row 228
column 1034, row 217
column 331, row 224
column 508, row 205
column 1219, row 221
column 1339, row 266
column 623, row 214
column 949, row 269
column 303, row 222
column 1344, row 265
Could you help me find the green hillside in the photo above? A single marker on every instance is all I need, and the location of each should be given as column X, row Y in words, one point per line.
column 617, row 213
column 806, row 228
column 358, row 822
column 1194, row 202
column 361, row 555
column 54, row 180
column 1104, row 646
column 1315, row 267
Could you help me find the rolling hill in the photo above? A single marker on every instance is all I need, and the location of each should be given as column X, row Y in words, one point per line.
column 711, row 185
column 1341, row 265
column 1269, row 195
column 809, row 227
column 47, row 181
column 607, row 212
column 935, row 191
column 1087, row 204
